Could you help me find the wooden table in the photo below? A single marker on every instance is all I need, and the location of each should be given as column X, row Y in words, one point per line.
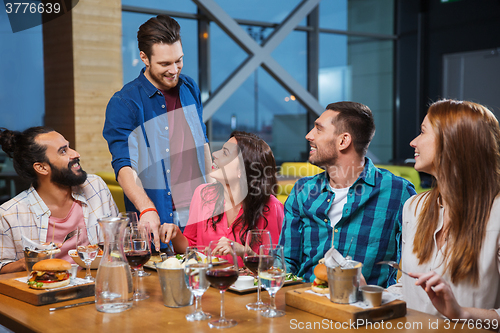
column 152, row 316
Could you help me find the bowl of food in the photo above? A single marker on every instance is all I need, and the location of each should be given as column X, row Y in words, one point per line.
column 95, row 264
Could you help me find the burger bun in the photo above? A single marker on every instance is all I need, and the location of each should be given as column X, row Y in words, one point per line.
column 320, row 283
column 320, row 272
column 55, row 265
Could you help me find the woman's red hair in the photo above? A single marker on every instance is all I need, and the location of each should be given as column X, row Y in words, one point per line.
column 467, row 165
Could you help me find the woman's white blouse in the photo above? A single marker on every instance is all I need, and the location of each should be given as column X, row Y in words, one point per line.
column 485, row 295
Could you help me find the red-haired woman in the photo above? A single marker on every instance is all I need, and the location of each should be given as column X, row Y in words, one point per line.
column 451, row 234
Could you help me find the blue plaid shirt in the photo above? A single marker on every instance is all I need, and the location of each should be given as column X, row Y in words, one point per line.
column 371, row 217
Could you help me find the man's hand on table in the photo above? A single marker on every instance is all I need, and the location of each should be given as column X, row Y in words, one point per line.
column 16, row 266
column 153, row 220
column 169, row 231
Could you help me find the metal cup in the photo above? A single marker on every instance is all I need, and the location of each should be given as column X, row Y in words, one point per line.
column 32, row 257
column 173, row 287
column 372, row 295
column 344, row 282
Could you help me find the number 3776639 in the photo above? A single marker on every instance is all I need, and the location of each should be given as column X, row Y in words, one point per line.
column 32, row 8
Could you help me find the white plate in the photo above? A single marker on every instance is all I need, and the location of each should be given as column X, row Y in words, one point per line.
column 148, row 265
column 151, row 264
column 254, row 288
column 76, row 258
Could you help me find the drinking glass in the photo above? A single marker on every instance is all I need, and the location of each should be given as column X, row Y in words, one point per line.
column 221, row 274
column 196, row 280
column 86, row 246
column 133, row 220
column 255, row 238
column 137, row 246
column 272, row 271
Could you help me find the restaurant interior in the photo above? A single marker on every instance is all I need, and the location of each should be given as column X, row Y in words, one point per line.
column 395, row 56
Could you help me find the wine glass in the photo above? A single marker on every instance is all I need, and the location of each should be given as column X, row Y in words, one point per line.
column 133, row 220
column 222, row 273
column 86, row 246
column 137, row 247
column 196, row 280
column 272, row 271
column 255, row 238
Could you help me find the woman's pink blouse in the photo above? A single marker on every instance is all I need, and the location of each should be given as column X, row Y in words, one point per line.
column 198, row 232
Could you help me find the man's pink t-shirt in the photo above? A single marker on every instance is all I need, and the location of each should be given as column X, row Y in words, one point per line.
column 59, row 228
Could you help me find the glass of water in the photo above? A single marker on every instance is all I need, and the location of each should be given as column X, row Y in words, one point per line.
column 86, row 246
column 196, row 279
column 272, row 272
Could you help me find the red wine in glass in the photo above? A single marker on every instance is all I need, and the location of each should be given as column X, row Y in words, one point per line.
column 136, row 259
column 222, row 279
column 252, row 263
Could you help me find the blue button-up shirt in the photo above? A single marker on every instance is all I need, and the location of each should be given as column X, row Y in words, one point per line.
column 137, row 132
column 371, row 217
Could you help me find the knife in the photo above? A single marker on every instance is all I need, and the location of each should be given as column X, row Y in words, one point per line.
column 72, row 305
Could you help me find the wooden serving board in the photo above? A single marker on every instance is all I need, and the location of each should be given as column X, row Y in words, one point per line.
column 321, row 306
column 21, row 291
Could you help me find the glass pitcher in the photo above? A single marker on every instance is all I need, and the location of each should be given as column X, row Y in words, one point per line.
column 113, row 285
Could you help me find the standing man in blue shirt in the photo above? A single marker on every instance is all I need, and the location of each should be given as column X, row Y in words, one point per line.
column 351, row 201
column 155, row 131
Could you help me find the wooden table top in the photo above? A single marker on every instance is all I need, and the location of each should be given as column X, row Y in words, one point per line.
column 151, row 315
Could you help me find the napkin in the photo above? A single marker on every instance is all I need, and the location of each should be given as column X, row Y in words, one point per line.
column 333, row 258
column 37, row 247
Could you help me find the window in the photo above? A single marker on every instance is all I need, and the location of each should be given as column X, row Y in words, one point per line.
column 22, row 86
column 355, row 63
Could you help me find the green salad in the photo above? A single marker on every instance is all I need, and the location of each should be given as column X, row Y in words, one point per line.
column 288, row 277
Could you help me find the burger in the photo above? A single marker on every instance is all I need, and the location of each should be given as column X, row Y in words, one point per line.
column 49, row 273
column 320, row 283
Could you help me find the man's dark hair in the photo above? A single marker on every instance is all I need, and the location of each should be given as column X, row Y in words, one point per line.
column 161, row 29
column 24, row 150
column 357, row 120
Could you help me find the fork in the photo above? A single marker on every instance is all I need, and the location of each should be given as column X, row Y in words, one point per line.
column 187, row 256
column 393, row 264
column 68, row 236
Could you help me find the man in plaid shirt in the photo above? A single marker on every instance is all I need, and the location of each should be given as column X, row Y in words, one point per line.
column 61, row 198
column 352, row 201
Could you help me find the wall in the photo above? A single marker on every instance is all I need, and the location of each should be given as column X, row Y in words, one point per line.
column 429, row 29
column 83, row 68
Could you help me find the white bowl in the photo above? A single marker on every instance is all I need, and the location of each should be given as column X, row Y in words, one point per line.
column 244, row 282
column 74, row 255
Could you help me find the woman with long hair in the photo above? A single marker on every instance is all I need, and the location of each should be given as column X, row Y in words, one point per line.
column 241, row 199
column 451, row 234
